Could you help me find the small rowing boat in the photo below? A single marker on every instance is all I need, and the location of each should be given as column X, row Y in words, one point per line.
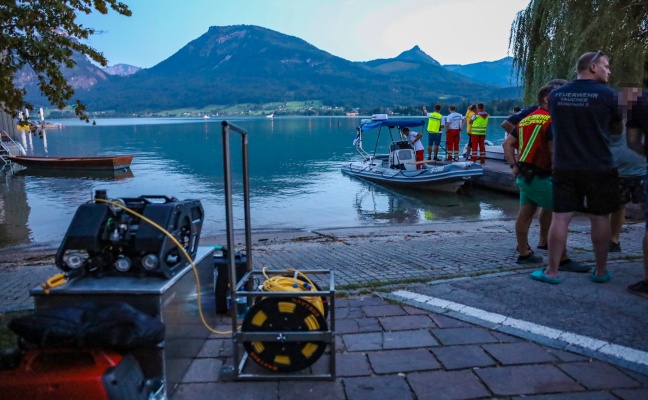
column 106, row 163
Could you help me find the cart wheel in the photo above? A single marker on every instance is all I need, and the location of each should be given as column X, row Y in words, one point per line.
column 292, row 314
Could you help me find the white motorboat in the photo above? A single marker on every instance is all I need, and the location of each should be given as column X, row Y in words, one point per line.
column 494, row 151
column 399, row 167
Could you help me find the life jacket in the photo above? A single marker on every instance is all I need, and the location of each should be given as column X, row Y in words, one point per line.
column 533, row 145
column 480, row 123
column 434, row 122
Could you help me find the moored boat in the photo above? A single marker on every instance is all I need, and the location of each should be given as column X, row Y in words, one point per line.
column 494, row 151
column 399, row 167
column 109, row 163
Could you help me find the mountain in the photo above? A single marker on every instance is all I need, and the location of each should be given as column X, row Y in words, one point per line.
column 249, row 64
column 121, row 69
column 410, row 57
column 497, row 73
column 82, row 77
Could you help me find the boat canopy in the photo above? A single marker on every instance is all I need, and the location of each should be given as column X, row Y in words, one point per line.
column 400, row 123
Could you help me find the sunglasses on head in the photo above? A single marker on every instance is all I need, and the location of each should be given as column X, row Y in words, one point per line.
column 596, row 56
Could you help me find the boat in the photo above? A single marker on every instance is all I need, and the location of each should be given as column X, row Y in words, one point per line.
column 107, row 163
column 494, row 151
column 270, row 115
column 35, row 126
column 399, row 167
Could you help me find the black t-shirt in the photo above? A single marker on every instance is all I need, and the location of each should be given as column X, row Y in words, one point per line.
column 520, row 115
column 638, row 118
column 582, row 112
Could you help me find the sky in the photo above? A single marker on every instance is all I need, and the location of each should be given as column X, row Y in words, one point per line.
column 450, row 31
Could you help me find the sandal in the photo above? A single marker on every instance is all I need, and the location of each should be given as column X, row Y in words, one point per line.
column 601, row 279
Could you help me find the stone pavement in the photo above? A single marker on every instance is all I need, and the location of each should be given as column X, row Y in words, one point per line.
column 398, row 342
column 393, row 351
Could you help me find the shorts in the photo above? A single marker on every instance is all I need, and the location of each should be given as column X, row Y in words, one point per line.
column 537, row 193
column 434, row 139
column 592, row 192
column 631, row 190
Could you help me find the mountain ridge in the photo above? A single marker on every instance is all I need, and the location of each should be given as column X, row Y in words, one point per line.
column 249, row 64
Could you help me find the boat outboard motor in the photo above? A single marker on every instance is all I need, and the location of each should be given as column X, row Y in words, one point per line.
column 402, row 155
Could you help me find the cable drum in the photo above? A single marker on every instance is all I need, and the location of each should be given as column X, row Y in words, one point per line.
column 292, row 314
column 287, row 314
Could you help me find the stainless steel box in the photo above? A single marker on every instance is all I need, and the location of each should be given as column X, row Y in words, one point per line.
column 173, row 301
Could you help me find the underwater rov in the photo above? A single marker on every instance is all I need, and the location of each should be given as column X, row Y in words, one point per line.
column 104, row 238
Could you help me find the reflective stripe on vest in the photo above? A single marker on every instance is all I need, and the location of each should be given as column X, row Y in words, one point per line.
column 479, row 125
column 529, row 144
column 434, row 123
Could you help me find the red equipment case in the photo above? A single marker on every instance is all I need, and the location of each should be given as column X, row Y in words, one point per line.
column 55, row 374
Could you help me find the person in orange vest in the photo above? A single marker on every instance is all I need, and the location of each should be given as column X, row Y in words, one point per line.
column 532, row 138
column 479, row 124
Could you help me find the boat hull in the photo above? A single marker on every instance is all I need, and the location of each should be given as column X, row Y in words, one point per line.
column 447, row 177
column 75, row 163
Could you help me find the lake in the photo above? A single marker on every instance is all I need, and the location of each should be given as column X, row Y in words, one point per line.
column 295, row 180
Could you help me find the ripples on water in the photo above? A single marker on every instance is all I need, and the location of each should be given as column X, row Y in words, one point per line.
column 295, row 181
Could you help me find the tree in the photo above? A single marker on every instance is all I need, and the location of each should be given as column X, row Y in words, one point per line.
column 42, row 35
column 549, row 35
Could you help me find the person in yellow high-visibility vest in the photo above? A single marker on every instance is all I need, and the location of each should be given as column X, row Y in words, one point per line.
column 479, row 124
column 435, row 124
column 472, row 110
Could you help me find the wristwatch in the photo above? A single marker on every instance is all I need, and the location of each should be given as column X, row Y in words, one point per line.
column 512, row 165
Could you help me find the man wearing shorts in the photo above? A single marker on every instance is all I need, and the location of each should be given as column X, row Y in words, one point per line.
column 637, row 131
column 434, row 126
column 532, row 137
column 509, row 124
column 584, row 114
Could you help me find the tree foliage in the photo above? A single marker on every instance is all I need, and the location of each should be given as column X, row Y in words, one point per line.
column 42, row 35
column 549, row 35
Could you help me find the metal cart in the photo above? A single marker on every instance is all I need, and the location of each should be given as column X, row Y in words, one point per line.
column 324, row 336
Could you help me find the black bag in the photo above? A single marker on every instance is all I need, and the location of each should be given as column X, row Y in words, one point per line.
column 112, row 326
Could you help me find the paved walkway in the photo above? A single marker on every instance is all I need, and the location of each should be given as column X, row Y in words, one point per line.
column 452, row 317
column 391, row 351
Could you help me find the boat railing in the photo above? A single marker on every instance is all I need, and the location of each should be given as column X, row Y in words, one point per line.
column 8, row 146
column 362, row 152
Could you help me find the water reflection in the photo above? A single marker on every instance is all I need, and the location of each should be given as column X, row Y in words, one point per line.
column 396, row 205
column 98, row 175
column 295, row 178
column 14, row 211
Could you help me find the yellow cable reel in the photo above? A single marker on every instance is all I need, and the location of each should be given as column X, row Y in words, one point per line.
column 287, row 314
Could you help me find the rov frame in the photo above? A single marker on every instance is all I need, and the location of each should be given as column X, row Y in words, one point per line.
column 244, row 287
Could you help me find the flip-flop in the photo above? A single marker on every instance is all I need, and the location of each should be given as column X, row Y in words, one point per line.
column 570, row 265
column 539, row 275
column 601, row 279
column 545, row 247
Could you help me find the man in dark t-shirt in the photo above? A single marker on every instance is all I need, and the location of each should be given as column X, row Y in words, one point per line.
column 584, row 114
column 637, row 131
